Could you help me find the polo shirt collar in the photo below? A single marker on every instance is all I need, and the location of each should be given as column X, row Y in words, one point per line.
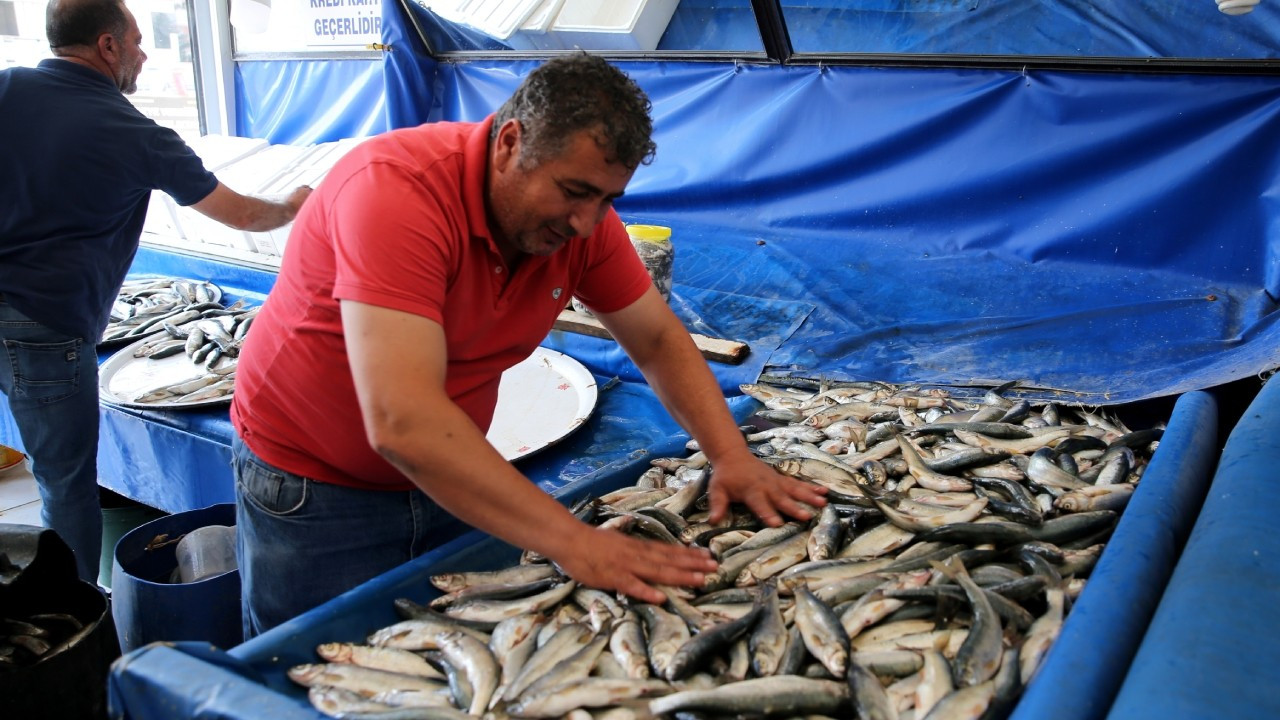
column 475, row 175
column 60, row 65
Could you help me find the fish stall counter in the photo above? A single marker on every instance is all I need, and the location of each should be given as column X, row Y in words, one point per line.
column 174, row 460
column 1213, row 640
column 176, row 457
column 1077, row 679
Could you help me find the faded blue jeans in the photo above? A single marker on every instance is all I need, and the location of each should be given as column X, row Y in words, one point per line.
column 51, row 381
column 300, row 543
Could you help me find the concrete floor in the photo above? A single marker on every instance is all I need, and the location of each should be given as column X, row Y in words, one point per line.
column 19, row 497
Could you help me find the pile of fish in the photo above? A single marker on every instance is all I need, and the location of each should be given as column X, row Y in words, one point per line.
column 27, row 641
column 956, row 537
column 183, row 317
column 143, row 303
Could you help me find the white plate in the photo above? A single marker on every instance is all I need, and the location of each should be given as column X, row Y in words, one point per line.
column 540, row 401
column 123, row 377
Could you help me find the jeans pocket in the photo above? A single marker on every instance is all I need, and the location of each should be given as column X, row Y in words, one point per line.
column 45, row 372
column 270, row 490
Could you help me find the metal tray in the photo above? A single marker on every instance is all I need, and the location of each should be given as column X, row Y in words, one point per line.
column 122, row 377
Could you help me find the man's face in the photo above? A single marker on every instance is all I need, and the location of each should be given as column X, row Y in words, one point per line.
column 536, row 210
column 131, row 57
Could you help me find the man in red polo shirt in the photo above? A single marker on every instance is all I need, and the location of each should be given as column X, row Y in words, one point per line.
column 429, row 261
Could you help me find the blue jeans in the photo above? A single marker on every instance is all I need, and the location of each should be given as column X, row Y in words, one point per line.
column 51, row 381
column 300, row 542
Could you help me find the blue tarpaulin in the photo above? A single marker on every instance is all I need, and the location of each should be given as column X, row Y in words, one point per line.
column 1111, row 236
column 1065, row 28
column 1058, row 28
column 1107, row 235
column 343, row 99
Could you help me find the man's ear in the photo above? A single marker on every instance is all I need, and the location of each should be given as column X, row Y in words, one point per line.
column 506, row 145
column 108, row 47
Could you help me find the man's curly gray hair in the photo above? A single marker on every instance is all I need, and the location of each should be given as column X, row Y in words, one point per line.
column 571, row 93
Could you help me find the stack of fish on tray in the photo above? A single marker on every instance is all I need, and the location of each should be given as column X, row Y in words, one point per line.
column 182, row 317
column 932, row 585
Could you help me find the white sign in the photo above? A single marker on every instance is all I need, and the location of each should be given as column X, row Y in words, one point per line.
column 343, row 22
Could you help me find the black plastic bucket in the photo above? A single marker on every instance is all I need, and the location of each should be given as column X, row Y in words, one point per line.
column 70, row 681
column 147, row 607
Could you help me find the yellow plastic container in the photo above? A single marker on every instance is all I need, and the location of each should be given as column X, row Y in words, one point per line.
column 653, row 245
column 650, row 233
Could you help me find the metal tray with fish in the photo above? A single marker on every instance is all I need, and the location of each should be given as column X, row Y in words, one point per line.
column 127, row 380
column 541, row 400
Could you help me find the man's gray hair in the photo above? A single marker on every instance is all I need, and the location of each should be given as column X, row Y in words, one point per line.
column 68, row 23
column 577, row 92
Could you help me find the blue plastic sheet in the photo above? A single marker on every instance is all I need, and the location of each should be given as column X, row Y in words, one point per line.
column 212, row 686
column 1111, row 236
column 408, row 70
column 1059, row 28
column 301, row 102
column 1212, row 642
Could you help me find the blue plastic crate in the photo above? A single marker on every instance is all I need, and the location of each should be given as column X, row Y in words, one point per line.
column 1077, row 680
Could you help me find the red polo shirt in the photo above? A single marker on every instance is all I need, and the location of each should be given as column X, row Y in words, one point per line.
column 400, row 223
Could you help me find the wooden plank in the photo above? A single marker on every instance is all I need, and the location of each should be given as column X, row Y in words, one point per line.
column 729, row 352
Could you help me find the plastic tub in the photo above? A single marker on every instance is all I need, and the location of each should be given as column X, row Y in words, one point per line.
column 147, row 607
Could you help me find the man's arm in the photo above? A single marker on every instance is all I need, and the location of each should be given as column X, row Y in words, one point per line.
column 660, row 346
column 398, row 361
column 246, row 212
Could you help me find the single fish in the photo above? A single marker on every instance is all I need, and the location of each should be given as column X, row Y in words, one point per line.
column 362, row 680
column 768, row 640
column 821, row 631
column 514, row 575
column 869, row 697
column 557, row 700
column 760, row 696
column 379, row 658
column 979, row 655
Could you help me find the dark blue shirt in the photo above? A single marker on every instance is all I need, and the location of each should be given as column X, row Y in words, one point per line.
column 77, row 166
